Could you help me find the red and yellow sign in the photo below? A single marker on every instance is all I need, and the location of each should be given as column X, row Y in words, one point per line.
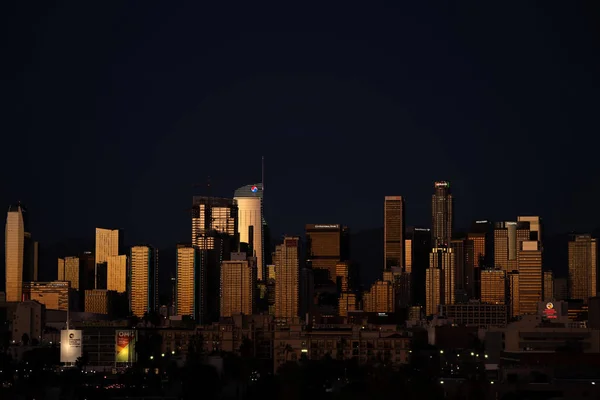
column 125, row 346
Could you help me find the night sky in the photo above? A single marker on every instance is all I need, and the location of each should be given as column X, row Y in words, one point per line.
column 112, row 111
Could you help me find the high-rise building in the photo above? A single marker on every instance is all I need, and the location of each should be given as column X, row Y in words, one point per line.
column 444, row 259
column 460, row 256
column 417, row 253
column 441, row 215
column 535, row 227
column 111, row 266
column 238, row 283
column 215, row 235
column 561, row 288
column 548, row 286
column 530, row 276
column 433, row 290
column 380, row 298
column 583, row 267
column 99, row 301
column 69, row 269
column 251, row 223
column 347, row 302
column 14, row 252
column 287, row 270
column 479, row 254
column 514, row 294
column 393, row 231
column 191, row 283
column 493, row 286
column 143, row 280
column 507, row 239
column 326, row 246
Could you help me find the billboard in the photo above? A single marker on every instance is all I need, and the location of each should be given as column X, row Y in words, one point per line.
column 125, row 346
column 70, row 345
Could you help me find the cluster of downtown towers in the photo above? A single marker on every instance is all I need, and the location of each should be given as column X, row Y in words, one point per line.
column 229, row 267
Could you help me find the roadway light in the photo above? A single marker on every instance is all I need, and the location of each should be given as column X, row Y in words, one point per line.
column 173, row 352
column 152, row 357
column 162, row 355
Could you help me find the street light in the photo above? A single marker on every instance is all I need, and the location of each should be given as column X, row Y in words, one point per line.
column 173, row 352
column 162, row 355
column 152, row 357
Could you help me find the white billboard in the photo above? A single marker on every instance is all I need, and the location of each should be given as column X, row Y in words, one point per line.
column 70, row 345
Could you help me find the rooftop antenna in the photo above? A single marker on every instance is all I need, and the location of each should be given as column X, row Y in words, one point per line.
column 263, row 174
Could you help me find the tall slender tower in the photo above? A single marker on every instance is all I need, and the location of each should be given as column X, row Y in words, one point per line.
column 441, row 215
column 238, row 280
column 111, row 267
column 14, row 252
column 251, row 222
column 394, row 227
column 143, row 280
column 287, row 281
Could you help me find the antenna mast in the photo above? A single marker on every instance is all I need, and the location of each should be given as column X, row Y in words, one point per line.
column 263, row 174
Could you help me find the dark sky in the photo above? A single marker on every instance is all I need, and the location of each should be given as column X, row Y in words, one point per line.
column 111, row 111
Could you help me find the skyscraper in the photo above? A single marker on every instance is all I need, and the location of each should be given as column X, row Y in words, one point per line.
column 548, row 286
column 394, row 227
column 143, row 280
column 14, row 252
column 326, row 246
column 190, row 283
column 69, row 269
column 417, row 249
column 215, row 235
column 507, row 238
column 251, row 223
column 493, row 286
column 535, row 227
column 441, row 215
column 440, row 279
column 287, row 271
column 583, row 267
column 238, row 283
column 111, row 266
column 530, row 276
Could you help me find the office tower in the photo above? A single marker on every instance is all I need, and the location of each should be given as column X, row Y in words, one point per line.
column 342, row 274
column 441, row 215
column 143, row 280
column 69, row 270
column 306, row 292
column 493, row 286
column 472, row 272
column 191, row 283
column 30, row 256
column 238, row 282
column 444, row 259
column 116, row 273
column 561, row 288
column 54, row 295
column 548, row 286
column 460, row 256
column 535, row 227
column 393, row 231
column 287, row 270
column 111, row 267
column 583, row 267
column 507, row 238
column 479, row 252
column 420, row 247
column 408, row 255
column 402, row 285
column 87, row 277
column 14, row 252
column 514, row 295
column 251, row 222
column 530, row 276
column 326, row 245
column 433, row 290
column 380, row 298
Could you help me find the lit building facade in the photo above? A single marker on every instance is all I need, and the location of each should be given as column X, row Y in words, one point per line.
column 507, row 238
column 14, row 253
column 433, row 290
column 287, row 285
column 514, row 295
column 441, row 215
column 548, row 286
column 251, row 223
column 53, row 295
column 69, row 270
column 111, row 267
column 393, row 231
column 326, row 246
column 238, row 282
column 583, row 267
column 213, row 217
column 99, row 301
column 143, row 280
column 444, row 259
column 190, row 283
column 493, row 286
column 530, row 276
column 380, row 298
